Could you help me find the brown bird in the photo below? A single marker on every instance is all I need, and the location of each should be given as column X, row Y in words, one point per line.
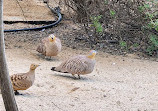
column 50, row 46
column 80, row 65
column 23, row 81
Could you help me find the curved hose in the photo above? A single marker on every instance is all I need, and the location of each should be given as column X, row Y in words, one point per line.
column 56, row 10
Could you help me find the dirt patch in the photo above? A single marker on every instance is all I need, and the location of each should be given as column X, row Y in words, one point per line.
column 26, row 10
column 72, row 35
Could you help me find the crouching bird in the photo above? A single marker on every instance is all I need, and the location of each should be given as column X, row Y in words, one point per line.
column 80, row 65
column 50, row 46
column 23, row 81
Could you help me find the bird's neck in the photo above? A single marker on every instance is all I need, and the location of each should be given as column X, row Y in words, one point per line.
column 32, row 74
column 91, row 56
column 32, row 71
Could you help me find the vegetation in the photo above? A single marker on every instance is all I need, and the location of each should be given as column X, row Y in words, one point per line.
column 123, row 45
column 96, row 24
column 153, row 45
column 133, row 23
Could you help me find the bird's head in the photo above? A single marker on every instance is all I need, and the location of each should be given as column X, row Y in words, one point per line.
column 33, row 66
column 52, row 38
column 92, row 54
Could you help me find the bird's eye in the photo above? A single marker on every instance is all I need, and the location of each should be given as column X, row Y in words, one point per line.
column 52, row 38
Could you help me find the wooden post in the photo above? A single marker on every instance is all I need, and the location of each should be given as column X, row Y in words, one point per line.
column 6, row 86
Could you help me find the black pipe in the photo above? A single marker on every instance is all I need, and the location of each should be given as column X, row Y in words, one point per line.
column 29, row 22
column 55, row 10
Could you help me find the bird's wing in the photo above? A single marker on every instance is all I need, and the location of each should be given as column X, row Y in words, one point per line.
column 41, row 48
column 21, row 81
column 75, row 65
column 59, row 44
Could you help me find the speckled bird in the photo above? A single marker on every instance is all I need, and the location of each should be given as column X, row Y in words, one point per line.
column 80, row 65
column 23, row 81
column 50, row 46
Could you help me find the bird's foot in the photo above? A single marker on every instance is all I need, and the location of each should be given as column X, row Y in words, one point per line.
column 76, row 77
column 48, row 58
column 45, row 1
column 17, row 93
column 79, row 77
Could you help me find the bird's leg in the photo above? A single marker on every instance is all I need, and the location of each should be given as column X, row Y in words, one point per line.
column 45, row 1
column 79, row 76
column 17, row 93
column 73, row 75
column 45, row 57
column 48, row 58
column 42, row 56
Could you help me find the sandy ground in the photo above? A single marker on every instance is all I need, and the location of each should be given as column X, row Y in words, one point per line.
column 27, row 10
column 116, row 84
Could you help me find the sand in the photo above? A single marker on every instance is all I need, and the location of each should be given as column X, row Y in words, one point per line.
column 27, row 10
column 116, row 84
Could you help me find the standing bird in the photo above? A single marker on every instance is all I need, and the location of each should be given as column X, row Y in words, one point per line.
column 80, row 65
column 50, row 46
column 23, row 81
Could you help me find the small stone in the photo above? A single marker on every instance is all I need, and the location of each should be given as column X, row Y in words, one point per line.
column 104, row 96
column 118, row 102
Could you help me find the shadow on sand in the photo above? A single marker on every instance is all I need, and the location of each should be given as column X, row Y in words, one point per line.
column 70, row 77
column 43, row 57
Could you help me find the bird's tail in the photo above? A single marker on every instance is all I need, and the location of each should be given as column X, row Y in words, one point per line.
column 53, row 68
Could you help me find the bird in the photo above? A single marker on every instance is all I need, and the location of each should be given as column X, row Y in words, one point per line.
column 80, row 64
column 49, row 46
column 23, row 81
